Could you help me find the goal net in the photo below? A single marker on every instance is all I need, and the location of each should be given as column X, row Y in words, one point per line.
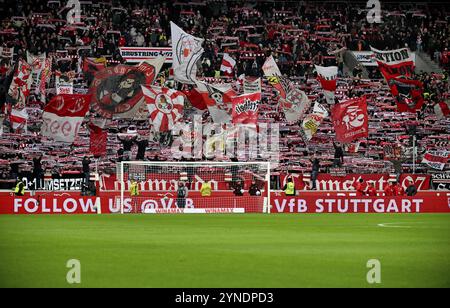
column 201, row 187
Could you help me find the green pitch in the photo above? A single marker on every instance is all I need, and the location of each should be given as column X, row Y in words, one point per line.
column 226, row 250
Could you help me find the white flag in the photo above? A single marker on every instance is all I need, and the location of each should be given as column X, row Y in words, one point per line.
column 187, row 51
column 270, row 68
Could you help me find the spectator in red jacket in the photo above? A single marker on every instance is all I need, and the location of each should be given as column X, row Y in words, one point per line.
column 361, row 188
column 389, row 190
column 372, row 191
column 399, row 190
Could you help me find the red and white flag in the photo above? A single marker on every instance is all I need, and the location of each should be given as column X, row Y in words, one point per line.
column 328, row 79
column 350, row 120
column 165, row 107
column 64, row 115
column 218, row 99
column 394, row 63
column 228, row 64
column 442, row 109
column 436, row 160
column 21, row 84
column 18, row 119
column 246, row 108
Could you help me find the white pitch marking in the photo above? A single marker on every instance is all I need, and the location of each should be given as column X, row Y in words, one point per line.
column 392, row 225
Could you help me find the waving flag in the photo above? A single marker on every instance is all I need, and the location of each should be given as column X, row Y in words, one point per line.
column 270, row 68
column 394, row 63
column 18, row 119
column 195, row 98
column 328, row 79
column 91, row 66
column 44, row 78
column 64, row 115
column 165, row 107
column 117, row 93
column 21, row 83
column 187, row 51
column 397, row 66
column 246, row 108
column 295, row 105
column 294, row 102
column 273, row 75
column 228, row 64
column 442, row 109
column 408, row 94
column 350, row 120
column 218, row 99
column 37, row 66
column 312, row 121
column 98, row 140
column 436, row 160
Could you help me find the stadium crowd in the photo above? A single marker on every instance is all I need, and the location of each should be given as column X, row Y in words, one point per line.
column 298, row 35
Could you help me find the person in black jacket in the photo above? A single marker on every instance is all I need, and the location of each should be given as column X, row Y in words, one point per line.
column 37, row 171
column 238, row 189
column 338, row 155
column 314, row 172
column 254, row 189
column 411, row 190
column 86, row 170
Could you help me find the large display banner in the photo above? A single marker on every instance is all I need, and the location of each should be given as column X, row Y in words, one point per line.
column 367, row 58
column 107, row 203
column 313, row 204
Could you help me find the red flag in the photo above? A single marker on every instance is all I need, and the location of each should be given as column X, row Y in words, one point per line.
column 246, row 108
column 98, row 138
column 408, row 94
column 351, row 120
column 218, row 99
column 64, row 115
column 195, row 98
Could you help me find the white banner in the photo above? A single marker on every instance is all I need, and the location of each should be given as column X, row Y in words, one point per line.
column 367, row 58
column 252, row 86
column 139, row 54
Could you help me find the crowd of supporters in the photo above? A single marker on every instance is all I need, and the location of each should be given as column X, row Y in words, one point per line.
column 297, row 34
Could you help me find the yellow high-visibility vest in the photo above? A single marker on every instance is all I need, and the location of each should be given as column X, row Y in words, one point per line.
column 18, row 190
column 134, row 189
column 206, row 190
column 290, row 189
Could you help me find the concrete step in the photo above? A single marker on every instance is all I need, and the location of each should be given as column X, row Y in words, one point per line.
column 426, row 64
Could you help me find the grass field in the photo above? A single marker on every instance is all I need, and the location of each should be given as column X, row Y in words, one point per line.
column 226, row 251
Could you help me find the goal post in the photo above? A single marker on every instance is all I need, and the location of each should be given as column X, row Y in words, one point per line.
column 193, row 187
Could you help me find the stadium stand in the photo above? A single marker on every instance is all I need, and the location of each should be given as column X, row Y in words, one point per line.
column 298, row 35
